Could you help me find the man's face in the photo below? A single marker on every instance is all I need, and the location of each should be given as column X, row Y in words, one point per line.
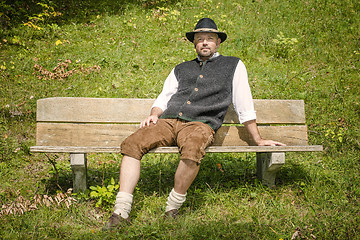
column 206, row 44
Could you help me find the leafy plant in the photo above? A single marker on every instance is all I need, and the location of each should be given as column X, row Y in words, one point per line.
column 336, row 135
column 105, row 196
column 39, row 19
column 82, row 196
column 284, row 46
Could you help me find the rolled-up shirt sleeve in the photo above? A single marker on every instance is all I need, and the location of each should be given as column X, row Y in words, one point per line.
column 170, row 87
column 242, row 98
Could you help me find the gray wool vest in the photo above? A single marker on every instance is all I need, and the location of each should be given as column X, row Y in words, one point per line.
column 204, row 91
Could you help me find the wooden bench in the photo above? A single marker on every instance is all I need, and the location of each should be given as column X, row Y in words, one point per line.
column 83, row 125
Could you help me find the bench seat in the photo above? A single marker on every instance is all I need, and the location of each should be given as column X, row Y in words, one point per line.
column 211, row 149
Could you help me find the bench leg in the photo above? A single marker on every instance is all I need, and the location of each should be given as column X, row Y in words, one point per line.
column 79, row 168
column 268, row 164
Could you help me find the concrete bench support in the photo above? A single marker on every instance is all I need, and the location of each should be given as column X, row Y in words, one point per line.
column 79, row 168
column 268, row 164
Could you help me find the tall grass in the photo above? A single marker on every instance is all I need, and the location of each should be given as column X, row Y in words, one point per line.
column 292, row 49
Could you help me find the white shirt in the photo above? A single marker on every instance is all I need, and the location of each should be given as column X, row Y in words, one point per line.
column 242, row 98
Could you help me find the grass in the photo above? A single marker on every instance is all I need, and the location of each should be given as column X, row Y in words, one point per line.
column 136, row 43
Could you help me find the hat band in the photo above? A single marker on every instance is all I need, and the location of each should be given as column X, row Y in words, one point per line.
column 206, row 30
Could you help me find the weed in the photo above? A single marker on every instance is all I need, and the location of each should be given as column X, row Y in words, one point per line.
column 40, row 19
column 105, row 195
column 284, row 46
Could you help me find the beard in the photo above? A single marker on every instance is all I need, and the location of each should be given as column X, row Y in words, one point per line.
column 206, row 53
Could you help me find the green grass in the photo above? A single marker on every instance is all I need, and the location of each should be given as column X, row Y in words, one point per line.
column 136, row 44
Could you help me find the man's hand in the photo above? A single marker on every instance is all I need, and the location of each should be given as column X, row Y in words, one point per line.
column 264, row 142
column 153, row 118
column 253, row 130
column 147, row 121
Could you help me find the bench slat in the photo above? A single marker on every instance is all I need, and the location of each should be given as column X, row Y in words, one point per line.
column 128, row 110
column 110, row 135
column 271, row 111
column 212, row 149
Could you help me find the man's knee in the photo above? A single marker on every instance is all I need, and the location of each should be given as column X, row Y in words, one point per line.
column 194, row 140
column 192, row 151
column 131, row 147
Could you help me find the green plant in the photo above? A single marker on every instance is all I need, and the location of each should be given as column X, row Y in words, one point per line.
column 39, row 19
column 337, row 134
column 105, row 195
column 82, row 196
column 284, row 46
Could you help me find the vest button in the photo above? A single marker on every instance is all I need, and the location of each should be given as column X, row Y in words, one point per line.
column 180, row 114
column 196, row 89
column 188, row 102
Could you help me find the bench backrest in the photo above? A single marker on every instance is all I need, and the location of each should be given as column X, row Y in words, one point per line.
column 106, row 122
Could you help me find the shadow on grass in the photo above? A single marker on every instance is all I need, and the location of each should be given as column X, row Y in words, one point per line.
column 211, row 229
column 292, row 173
column 18, row 11
column 218, row 172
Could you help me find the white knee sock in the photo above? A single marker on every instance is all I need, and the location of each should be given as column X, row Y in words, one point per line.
column 123, row 204
column 175, row 200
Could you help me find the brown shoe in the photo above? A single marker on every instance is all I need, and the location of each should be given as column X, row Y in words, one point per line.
column 116, row 221
column 173, row 213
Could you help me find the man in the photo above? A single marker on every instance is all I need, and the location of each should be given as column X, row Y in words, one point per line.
column 187, row 113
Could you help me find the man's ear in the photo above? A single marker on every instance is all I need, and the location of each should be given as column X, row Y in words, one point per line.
column 218, row 41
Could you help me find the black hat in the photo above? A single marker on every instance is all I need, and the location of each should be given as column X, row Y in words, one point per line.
column 206, row 25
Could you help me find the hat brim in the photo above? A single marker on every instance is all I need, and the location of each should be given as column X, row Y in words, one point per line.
column 190, row 35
